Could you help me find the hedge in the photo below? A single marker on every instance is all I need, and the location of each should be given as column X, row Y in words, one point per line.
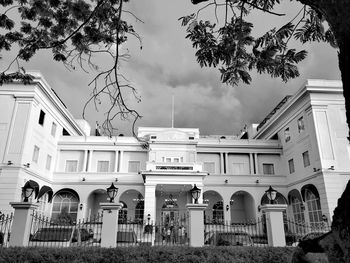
column 147, row 254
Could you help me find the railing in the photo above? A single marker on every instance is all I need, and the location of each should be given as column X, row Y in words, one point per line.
column 165, row 233
column 249, row 233
column 5, row 229
column 64, row 232
column 296, row 231
column 152, row 166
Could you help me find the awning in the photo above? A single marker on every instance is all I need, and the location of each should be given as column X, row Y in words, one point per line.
column 46, row 190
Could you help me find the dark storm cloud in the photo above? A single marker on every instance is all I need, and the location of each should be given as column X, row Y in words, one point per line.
column 167, row 66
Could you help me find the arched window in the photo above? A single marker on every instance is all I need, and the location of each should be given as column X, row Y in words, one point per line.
column 65, row 207
column 218, row 212
column 313, row 207
column 298, row 210
column 123, row 214
column 139, row 210
column 43, row 208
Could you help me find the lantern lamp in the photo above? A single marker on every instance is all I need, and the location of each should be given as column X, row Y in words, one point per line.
column 271, row 194
column 27, row 191
column 195, row 192
column 112, row 192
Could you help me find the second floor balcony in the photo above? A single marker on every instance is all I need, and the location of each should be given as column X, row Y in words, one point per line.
column 173, row 166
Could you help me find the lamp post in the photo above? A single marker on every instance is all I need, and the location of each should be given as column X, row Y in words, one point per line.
column 271, row 194
column 27, row 191
column 112, row 192
column 195, row 192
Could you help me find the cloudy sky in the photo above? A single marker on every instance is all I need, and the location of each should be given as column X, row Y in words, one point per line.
column 166, row 65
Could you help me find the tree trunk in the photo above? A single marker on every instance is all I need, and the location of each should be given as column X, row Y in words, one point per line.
column 344, row 66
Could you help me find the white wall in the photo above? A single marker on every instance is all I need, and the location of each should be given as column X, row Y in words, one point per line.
column 103, row 156
column 210, row 157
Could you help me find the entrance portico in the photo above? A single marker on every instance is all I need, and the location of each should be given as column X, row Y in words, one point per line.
column 167, row 193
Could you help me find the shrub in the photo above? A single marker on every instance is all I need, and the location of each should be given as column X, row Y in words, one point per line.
column 143, row 254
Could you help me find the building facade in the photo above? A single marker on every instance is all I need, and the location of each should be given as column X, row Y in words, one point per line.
column 300, row 149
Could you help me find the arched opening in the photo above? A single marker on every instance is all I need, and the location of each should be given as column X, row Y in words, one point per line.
column 133, row 201
column 313, row 205
column 214, row 213
column 123, row 214
column 218, row 212
column 93, row 209
column 170, row 211
column 242, row 207
column 297, row 206
column 44, row 200
column 65, row 206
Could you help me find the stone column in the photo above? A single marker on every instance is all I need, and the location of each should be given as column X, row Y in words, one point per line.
column 274, row 223
column 226, row 163
column 21, row 224
column 89, row 161
column 121, row 162
column 251, row 163
column 150, row 202
column 110, row 224
column 115, row 170
column 222, row 163
column 85, row 161
column 196, row 224
column 256, row 164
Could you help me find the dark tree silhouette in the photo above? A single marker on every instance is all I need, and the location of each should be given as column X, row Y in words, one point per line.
column 229, row 45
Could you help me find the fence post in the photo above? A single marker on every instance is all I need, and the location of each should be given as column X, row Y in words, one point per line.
column 109, row 224
column 21, row 224
column 196, row 224
column 274, row 223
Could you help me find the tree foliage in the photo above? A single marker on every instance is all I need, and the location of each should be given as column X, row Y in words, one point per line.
column 229, row 44
column 75, row 31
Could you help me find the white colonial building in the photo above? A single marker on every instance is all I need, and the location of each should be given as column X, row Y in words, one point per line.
column 300, row 149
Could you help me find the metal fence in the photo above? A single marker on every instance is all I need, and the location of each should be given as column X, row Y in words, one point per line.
column 65, row 233
column 296, row 231
column 250, row 233
column 5, row 229
column 167, row 232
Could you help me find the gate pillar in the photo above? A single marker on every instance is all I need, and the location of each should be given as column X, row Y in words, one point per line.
column 109, row 224
column 21, row 224
column 196, row 224
column 274, row 223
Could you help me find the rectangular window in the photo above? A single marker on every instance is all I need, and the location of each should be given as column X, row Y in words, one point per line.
column 268, row 168
column 71, row 166
column 301, row 127
column 287, row 135
column 103, row 166
column 176, row 160
column 48, row 162
column 36, row 154
column 134, row 166
column 168, row 160
column 209, row 167
column 306, row 159
column 238, row 168
column 291, row 166
column 41, row 117
column 53, row 129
